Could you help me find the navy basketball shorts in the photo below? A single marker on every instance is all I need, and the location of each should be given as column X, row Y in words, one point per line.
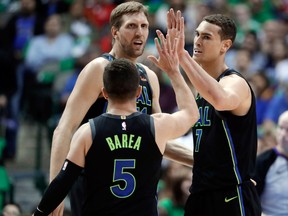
column 243, row 200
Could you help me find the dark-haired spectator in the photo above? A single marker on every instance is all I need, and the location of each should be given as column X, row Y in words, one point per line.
column 173, row 204
column 251, row 45
column 18, row 30
column 43, row 60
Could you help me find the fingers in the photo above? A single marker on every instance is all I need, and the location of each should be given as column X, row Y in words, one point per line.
column 168, row 44
column 178, row 20
column 164, row 46
column 153, row 59
column 173, row 20
column 182, row 24
column 170, row 18
column 175, row 45
column 158, row 47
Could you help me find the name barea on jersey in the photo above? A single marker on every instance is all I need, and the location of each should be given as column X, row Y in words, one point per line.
column 122, row 167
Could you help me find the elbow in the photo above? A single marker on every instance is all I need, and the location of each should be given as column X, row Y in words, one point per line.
column 193, row 116
column 220, row 103
column 197, row 117
column 224, row 106
column 195, row 113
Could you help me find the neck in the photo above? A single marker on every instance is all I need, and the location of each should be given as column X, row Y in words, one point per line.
column 125, row 108
column 119, row 54
column 215, row 71
column 214, row 67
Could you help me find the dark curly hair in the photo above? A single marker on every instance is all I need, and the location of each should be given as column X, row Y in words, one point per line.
column 227, row 25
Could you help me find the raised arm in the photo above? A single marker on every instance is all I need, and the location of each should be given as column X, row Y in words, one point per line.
column 229, row 94
column 170, row 126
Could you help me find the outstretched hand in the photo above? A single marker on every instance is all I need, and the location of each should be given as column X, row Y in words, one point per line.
column 175, row 28
column 168, row 59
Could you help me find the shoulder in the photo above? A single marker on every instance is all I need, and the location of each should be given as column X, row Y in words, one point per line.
column 147, row 69
column 150, row 73
column 266, row 156
column 97, row 65
column 38, row 39
column 83, row 132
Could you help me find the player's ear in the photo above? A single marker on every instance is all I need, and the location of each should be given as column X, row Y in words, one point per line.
column 139, row 91
column 114, row 31
column 104, row 92
column 226, row 44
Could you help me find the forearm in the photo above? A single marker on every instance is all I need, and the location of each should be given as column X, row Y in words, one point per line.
column 206, row 85
column 58, row 188
column 183, row 93
column 178, row 152
column 59, row 150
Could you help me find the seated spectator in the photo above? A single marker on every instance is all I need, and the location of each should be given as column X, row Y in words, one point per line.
column 50, row 47
column 263, row 91
column 272, row 173
column 44, row 56
column 251, row 45
column 75, row 23
column 174, row 205
column 18, row 29
column 277, row 105
column 12, row 209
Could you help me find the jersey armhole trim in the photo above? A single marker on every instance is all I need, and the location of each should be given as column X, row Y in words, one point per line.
column 93, row 129
column 152, row 127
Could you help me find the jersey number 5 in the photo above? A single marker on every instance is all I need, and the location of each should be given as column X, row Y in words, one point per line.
column 121, row 176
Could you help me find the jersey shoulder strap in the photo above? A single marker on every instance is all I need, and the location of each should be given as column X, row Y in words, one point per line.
column 228, row 72
column 108, row 56
column 140, row 68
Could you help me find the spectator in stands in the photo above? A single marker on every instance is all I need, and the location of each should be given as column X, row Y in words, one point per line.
column 244, row 21
column 50, row 47
column 264, row 91
column 272, row 173
column 12, row 209
column 173, row 205
column 251, row 45
column 44, row 56
column 75, row 23
column 20, row 27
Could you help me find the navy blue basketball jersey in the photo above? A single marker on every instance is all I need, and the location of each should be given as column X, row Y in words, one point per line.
column 144, row 102
column 122, row 167
column 225, row 145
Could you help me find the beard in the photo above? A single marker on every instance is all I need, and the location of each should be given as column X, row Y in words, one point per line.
column 129, row 49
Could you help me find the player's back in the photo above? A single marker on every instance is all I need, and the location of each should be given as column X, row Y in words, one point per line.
column 122, row 167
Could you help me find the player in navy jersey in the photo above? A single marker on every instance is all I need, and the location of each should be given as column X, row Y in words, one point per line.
column 129, row 29
column 225, row 137
column 121, row 151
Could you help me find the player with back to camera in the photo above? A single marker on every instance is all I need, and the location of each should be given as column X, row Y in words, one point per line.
column 121, row 151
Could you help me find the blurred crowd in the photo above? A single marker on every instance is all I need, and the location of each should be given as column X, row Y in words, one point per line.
column 44, row 44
